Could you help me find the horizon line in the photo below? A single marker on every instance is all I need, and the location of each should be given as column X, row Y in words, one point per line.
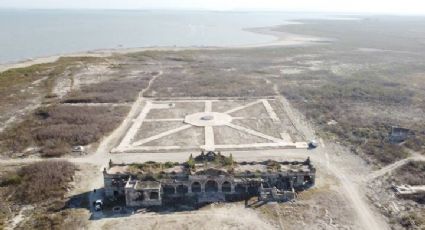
column 248, row 10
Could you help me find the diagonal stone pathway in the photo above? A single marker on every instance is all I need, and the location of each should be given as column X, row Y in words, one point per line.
column 207, row 120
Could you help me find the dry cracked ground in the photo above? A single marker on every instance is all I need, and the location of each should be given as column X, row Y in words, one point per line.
column 346, row 92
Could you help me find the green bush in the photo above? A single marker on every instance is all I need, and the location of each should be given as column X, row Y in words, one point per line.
column 169, row 164
column 12, row 179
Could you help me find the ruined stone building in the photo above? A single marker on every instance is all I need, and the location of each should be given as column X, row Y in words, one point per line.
column 206, row 178
column 399, row 134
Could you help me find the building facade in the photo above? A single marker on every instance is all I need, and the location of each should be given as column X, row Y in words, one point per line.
column 206, row 181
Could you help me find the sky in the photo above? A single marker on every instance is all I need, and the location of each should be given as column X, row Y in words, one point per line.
column 348, row 6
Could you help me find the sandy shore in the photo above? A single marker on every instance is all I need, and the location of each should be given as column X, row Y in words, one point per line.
column 282, row 39
column 285, row 38
column 93, row 53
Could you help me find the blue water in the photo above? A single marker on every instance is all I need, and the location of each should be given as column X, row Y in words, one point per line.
column 28, row 34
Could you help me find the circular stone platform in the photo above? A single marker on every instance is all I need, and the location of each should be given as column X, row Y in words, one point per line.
column 208, row 119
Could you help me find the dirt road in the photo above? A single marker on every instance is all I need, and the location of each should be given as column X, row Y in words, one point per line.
column 369, row 219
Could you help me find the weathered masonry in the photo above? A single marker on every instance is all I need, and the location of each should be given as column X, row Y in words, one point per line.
column 207, row 178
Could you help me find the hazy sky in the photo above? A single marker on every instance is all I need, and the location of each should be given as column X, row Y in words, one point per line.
column 368, row 6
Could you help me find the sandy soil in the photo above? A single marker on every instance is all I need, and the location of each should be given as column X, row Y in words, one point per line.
column 228, row 216
column 287, row 39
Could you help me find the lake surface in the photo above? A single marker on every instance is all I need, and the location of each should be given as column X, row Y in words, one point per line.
column 28, row 34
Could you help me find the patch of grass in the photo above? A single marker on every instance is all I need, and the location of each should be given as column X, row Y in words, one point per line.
column 170, row 164
column 12, row 179
column 153, row 167
column 273, row 165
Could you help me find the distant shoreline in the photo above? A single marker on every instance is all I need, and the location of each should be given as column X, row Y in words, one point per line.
column 91, row 53
column 282, row 39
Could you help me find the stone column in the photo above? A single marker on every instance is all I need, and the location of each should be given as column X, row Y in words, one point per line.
column 220, row 185
column 203, row 187
column 189, row 188
column 146, row 195
column 291, row 183
column 300, row 180
column 232, row 188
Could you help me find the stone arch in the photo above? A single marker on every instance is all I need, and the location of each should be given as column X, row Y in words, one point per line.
column 182, row 189
column 226, row 186
column 168, row 189
column 196, row 187
column 211, row 186
column 154, row 196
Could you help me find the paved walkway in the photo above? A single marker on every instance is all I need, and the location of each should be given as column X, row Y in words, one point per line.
column 209, row 138
column 255, row 133
column 242, row 107
column 270, row 110
column 161, row 135
column 390, row 168
column 128, row 138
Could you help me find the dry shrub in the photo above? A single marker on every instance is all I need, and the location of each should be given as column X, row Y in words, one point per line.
column 55, row 129
column 63, row 126
column 332, row 100
column 385, row 153
column 417, row 142
column 42, row 181
column 17, row 138
column 3, row 218
column 14, row 80
column 62, row 220
column 413, row 173
column 117, row 91
column 413, row 220
column 212, row 83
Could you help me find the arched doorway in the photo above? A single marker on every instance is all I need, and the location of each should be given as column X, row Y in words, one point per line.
column 182, row 189
column 226, row 187
column 211, row 186
column 196, row 187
